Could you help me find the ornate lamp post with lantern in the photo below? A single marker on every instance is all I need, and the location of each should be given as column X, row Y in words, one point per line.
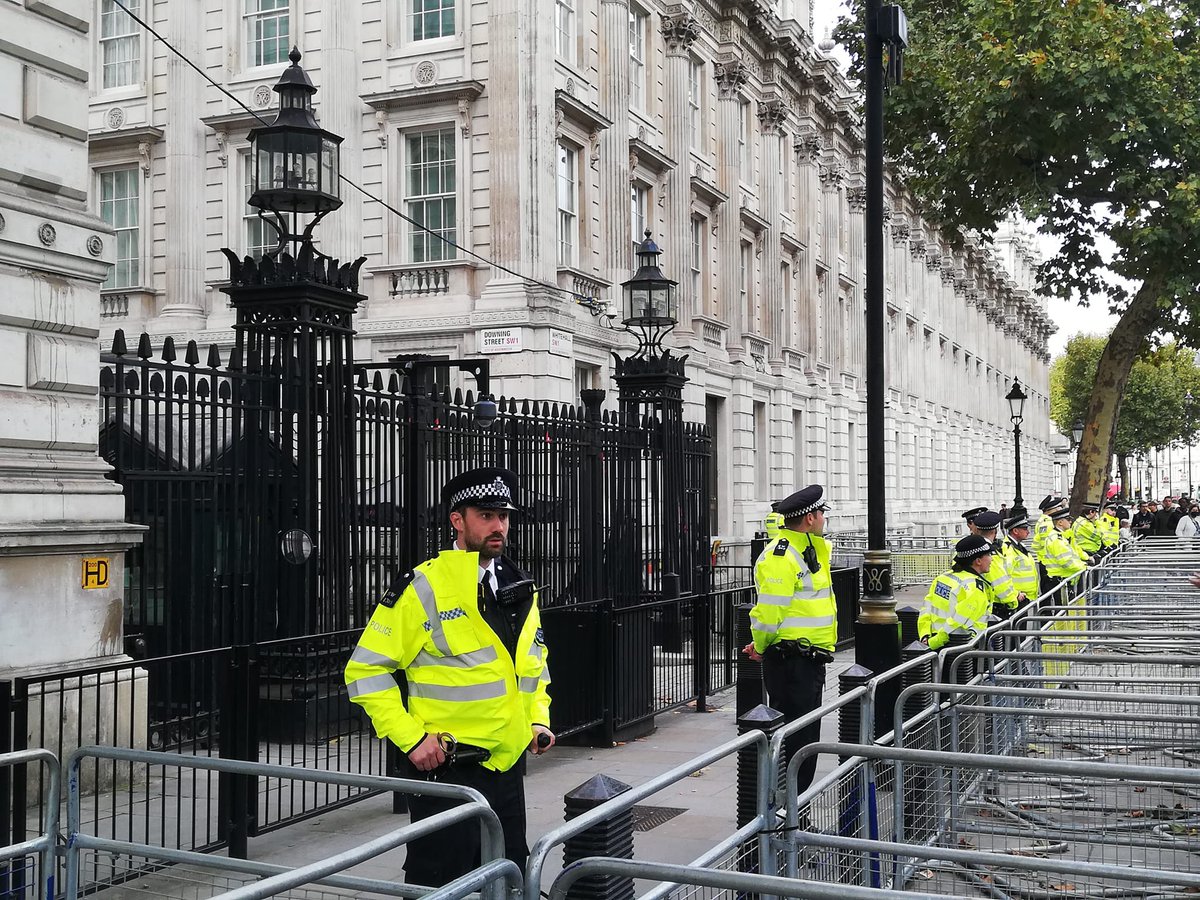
column 1016, row 404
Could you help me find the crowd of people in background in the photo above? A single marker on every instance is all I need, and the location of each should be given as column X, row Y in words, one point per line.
column 1174, row 516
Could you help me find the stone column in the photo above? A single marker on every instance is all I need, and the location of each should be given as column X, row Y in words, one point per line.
column 772, row 113
column 730, row 75
column 186, row 171
column 521, row 153
column 341, row 234
column 808, row 151
column 59, row 516
column 679, row 32
column 616, row 227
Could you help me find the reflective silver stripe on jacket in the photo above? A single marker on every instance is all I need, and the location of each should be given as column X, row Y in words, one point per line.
column 457, row 692
column 371, row 685
column 807, row 622
column 537, row 651
column 775, row 599
column 818, row 594
column 527, row 683
column 467, row 660
column 424, row 590
column 371, row 658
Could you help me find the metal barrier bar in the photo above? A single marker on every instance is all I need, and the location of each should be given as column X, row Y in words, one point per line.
column 44, row 844
column 492, row 837
column 742, row 883
column 479, row 879
column 627, row 799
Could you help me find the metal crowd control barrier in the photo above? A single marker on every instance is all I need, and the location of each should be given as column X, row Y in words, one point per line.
column 276, row 881
column 1004, row 826
column 15, row 859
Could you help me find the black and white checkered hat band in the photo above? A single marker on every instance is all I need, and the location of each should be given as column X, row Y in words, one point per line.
column 972, row 554
column 497, row 490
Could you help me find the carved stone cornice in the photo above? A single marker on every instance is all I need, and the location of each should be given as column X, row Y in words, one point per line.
column 916, row 248
column 933, row 260
column 730, row 75
column 772, row 113
column 901, row 231
column 832, row 174
column 857, row 198
column 949, row 273
column 680, row 29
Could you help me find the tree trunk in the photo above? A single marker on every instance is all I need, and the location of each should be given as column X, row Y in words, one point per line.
column 1123, row 475
column 1100, row 427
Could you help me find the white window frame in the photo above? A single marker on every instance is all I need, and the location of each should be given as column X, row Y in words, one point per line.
column 567, row 199
column 564, row 30
column 745, row 170
column 136, row 177
column 699, row 227
column 639, row 215
column 250, row 17
column 252, row 225
column 429, row 13
column 130, row 37
column 745, row 286
column 695, row 103
column 637, row 58
column 436, row 251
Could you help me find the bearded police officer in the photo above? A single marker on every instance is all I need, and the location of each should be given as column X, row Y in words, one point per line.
column 794, row 621
column 958, row 599
column 464, row 628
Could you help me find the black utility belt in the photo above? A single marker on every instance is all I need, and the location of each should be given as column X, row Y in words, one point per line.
column 799, row 650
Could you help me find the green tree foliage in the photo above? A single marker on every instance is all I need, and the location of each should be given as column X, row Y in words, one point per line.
column 1084, row 116
column 1156, row 411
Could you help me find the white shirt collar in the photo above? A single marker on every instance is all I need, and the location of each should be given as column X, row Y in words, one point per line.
column 489, row 570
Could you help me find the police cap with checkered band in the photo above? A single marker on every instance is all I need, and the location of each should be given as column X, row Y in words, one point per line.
column 971, row 547
column 804, row 501
column 487, row 488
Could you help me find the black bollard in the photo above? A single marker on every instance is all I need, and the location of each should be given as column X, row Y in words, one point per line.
column 768, row 721
column 612, row 837
column 908, row 614
column 749, row 673
column 916, row 776
column 850, row 715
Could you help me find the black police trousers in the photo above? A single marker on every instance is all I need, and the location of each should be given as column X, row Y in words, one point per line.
column 795, row 686
column 446, row 854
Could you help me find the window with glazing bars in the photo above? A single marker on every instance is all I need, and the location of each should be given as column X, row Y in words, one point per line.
column 431, row 19
column 637, row 209
column 637, row 59
column 258, row 235
column 120, row 199
column 120, row 45
column 695, row 92
column 268, row 31
column 568, row 226
column 564, row 30
column 431, row 187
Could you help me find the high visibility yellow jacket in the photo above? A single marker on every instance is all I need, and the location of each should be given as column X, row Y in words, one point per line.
column 1002, row 592
column 1021, row 567
column 1087, row 535
column 794, row 603
column 772, row 524
column 1059, row 557
column 461, row 677
column 956, row 599
column 1041, row 528
column 1110, row 530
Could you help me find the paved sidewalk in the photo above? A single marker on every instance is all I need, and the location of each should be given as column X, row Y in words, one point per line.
column 708, row 797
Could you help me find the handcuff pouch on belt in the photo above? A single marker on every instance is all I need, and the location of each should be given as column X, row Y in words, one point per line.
column 458, row 755
column 799, row 649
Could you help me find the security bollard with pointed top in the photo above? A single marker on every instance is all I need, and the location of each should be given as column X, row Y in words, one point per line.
column 612, row 837
column 909, row 614
column 768, row 721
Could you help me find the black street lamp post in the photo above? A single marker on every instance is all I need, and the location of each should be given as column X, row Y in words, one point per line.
column 877, row 637
column 1016, row 404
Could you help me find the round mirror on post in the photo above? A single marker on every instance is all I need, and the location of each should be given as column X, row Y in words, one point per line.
column 295, row 546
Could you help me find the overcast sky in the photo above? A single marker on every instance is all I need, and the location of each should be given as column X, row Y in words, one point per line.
column 1070, row 318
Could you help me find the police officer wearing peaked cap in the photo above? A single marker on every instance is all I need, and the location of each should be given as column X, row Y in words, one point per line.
column 969, row 517
column 794, row 619
column 465, row 630
column 1000, row 588
column 958, row 599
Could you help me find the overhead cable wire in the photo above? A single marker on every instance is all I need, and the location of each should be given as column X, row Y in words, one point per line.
column 591, row 303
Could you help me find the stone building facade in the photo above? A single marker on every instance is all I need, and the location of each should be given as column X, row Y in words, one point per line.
column 547, row 144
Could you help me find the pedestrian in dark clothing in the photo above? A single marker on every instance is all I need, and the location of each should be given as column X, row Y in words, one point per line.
column 1143, row 519
column 1162, row 519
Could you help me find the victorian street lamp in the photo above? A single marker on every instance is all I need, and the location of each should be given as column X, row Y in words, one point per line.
column 295, row 162
column 1016, row 404
column 651, row 301
column 1076, row 433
